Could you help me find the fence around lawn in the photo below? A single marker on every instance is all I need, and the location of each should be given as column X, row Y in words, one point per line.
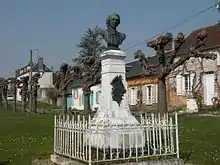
column 160, row 138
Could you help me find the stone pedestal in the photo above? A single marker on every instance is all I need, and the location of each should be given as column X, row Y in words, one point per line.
column 191, row 106
column 109, row 125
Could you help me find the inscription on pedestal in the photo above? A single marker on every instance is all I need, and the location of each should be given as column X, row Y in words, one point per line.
column 118, row 89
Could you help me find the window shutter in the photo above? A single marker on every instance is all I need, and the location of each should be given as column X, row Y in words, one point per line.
column 179, row 86
column 192, row 76
column 135, row 95
column 143, row 94
column 154, row 91
column 129, row 95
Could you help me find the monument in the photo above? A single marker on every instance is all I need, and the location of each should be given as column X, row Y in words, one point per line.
column 108, row 127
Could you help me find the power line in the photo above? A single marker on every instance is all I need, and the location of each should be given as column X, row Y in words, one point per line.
column 173, row 27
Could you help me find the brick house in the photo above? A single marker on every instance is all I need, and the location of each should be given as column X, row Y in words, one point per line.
column 200, row 75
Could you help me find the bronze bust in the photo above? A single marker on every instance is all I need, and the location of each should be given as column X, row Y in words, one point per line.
column 112, row 37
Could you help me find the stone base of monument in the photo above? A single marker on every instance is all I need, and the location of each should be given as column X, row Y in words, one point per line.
column 60, row 160
column 116, row 128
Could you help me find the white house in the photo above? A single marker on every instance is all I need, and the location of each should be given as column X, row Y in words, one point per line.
column 76, row 101
column 45, row 81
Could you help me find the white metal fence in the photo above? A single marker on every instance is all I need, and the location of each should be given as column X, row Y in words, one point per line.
column 160, row 138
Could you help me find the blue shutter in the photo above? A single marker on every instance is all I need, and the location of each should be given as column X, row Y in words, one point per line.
column 69, row 101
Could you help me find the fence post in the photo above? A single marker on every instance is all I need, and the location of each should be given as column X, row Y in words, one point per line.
column 90, row 151
column 54, row 135
column 177, row 135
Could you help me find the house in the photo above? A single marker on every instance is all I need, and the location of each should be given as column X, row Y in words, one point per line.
column 200, row 76
column 45, row 81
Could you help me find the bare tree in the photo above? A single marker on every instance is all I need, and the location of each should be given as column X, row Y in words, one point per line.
column 89, row 62
column 62, row 79
column 52, row 94
column 4, row 92
column 165, row 65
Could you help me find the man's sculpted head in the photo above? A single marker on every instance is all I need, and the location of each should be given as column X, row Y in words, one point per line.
column 113, row 20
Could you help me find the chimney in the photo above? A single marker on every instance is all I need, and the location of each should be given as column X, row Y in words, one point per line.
column 40, row 64
column 169, row 47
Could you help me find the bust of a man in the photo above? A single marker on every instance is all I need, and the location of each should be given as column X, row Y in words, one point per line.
column 112, row 37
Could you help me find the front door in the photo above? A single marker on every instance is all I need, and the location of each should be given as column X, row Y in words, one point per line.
column 209, row 88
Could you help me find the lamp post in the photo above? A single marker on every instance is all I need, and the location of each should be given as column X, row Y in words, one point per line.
column 30, row 80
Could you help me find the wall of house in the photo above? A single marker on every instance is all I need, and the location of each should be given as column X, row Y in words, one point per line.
column 45, row 82
column 78, row 97
column 142, row 93
column 195, row 69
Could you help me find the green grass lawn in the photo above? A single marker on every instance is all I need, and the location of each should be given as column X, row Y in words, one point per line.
column 200, row 139
column 23, row 136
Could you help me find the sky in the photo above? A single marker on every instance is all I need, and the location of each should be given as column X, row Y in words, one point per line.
column 55, row 26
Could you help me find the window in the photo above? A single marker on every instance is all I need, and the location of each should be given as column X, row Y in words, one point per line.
column 187, row 83
column 75, row 93
column 150, row 93
column 184, row 83
column 133, row 96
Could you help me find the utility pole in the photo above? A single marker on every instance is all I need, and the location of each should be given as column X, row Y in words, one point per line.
column 30, row 81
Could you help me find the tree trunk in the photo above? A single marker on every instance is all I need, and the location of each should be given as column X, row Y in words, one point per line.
column 23, row 106
column 162, row 99
column 0, row 100
column 34, row 104
column 64, row 103
column 15, row 99
column 6, row 102
column 87, row 103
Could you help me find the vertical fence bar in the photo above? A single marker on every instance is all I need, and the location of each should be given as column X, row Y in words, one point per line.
column 55, row 137
column 123, row 140
column 110, row 139
column 117, row 156
column 63, row 134
column 83, row 137
column 165, row 133
column 136, row 146
column 68, row 135
column 168, row 132
column 160, row 126
column 142, row 137
column 75, row 136
column 177, row 135
column 171, row 135
column 59, row 133
column 78, row 136
column 153, row 125
column 147, row 134
column 89, row 128
column 72, row 135
column 103, row 140
column 86, row 142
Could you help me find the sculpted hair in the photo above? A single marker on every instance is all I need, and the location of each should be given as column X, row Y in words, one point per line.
column 110, row 16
